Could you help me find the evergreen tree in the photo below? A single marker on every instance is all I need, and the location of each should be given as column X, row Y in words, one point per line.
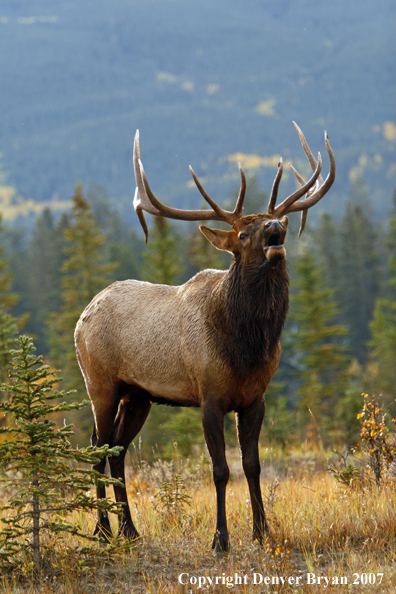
column 161, row 261
column 122, row 245
column 8, row 323
column 37, row 463
column 8, row 331
column 383, row 325
column 359, row 269
column 84, row 274
column 7, row 299
column 44, row 281
column 316, row 345
column 326, row 237
column 15, row 240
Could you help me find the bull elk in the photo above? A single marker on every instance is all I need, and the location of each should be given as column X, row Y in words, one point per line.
column 211, row 343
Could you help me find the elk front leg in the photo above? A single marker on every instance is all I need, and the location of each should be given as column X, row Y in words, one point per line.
column 249, row 423
column 213, row 426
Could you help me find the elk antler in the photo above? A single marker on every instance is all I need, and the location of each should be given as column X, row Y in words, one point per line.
column 144, row 199
column 314, row 189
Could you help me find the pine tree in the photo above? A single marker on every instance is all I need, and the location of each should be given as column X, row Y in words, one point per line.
column 84, row 274
column 38, row 464
column 161, row 261
column 317, row 347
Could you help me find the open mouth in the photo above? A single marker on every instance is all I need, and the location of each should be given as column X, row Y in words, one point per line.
column 274, row 249
column 274, row 241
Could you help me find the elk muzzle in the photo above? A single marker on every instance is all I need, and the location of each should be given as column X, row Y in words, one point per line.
column 274, row 239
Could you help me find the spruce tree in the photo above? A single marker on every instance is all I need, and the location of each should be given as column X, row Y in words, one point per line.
column 8, row 323
column 383, row 325
column 161, row 261
column 316, row 345
column 84, row 274
column 326, row 237
column 359, row 271
column 7, row 299
column 38, row 464
column 45, row 262
column 123, row 244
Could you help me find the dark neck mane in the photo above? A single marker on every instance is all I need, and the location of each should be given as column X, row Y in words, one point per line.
column 247, row 314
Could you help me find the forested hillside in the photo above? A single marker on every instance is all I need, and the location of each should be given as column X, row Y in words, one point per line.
column 206, row 83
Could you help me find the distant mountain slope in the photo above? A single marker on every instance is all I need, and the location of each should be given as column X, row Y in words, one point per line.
column 203, row 81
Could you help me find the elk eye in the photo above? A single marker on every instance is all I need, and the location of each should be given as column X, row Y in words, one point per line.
column 268, row 224
column 243, row 236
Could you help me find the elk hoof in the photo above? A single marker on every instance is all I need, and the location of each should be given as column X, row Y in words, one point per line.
column 129, row 532
column 260, row 534
column 220, row 543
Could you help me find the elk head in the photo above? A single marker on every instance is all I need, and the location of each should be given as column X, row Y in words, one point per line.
column 252, row 236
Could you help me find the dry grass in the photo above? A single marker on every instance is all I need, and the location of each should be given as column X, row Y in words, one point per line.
column 320, row 528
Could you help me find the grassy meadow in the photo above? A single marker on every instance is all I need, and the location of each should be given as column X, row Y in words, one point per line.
column 320, row 527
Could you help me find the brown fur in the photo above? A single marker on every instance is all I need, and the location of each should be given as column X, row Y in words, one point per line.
column 212, row 342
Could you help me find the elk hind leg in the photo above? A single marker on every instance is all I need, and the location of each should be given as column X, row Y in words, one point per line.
column 133, row 409
column 105, row 406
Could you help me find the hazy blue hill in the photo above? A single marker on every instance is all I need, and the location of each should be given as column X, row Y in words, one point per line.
column 202, row 80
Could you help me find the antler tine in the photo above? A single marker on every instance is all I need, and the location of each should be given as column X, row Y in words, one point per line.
column 224, row 215
column 275, row 187
column 217, row 209
column 307, row 150
column 137, row 205
column 304, row 213
column 241, row 196
column 140, row 200
column 287, row 204
column 145, row 200
column 322, row 189
column 177, row 213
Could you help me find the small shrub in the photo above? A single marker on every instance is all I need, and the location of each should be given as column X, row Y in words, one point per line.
column 376, row 439
column 346, row 472
column 173, row 497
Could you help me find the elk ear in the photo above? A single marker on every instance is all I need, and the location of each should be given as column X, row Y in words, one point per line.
column 222, row 240
column 285, row 221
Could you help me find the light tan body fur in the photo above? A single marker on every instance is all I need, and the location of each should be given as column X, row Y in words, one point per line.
column 154, row 336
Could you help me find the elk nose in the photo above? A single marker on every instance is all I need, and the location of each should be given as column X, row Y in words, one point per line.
column 274, row 225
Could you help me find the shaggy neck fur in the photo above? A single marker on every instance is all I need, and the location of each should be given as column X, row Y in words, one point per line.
column 248, row 312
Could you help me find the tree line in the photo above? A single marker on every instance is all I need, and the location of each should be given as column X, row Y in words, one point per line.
column 339, row 340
